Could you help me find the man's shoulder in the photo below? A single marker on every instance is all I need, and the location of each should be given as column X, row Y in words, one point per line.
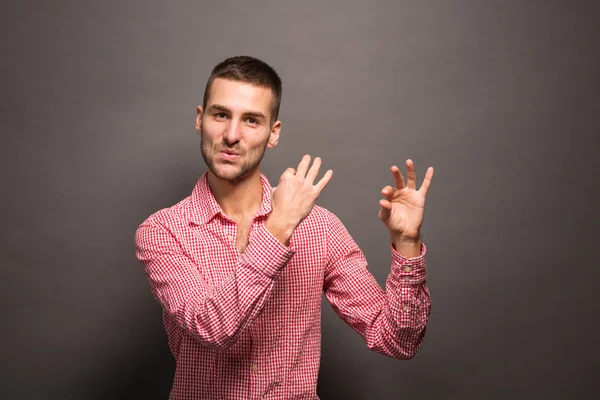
column 321, row 216
column 323, row 224
column 176, row 215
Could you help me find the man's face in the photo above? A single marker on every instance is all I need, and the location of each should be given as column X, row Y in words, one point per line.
column 236, row 128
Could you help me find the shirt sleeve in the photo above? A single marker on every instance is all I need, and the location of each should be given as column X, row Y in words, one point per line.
column 392, row 322
column 214, row 315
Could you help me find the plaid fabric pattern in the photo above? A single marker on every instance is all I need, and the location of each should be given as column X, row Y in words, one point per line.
column 248, row 325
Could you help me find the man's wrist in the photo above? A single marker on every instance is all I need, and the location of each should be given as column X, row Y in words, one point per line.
column 407, row 247
column 280, row 229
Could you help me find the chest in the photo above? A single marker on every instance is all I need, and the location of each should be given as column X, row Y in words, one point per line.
column 242, row 234
column 218, row 248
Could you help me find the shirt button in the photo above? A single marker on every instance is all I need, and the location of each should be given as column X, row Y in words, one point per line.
column 254, row 367
column 230, row 237
column 405, row 308
column 407, row 269
column 406, row 278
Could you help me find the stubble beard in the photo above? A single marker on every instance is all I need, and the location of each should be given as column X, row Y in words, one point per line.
column 251, row 160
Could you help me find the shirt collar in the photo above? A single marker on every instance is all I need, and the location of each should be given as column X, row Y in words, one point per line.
column 204, row 207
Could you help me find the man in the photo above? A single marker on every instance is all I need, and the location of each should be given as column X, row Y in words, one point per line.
column 239, row 267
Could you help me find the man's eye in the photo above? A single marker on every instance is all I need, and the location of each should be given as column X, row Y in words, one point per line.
column 221, row 115
column 252, row 120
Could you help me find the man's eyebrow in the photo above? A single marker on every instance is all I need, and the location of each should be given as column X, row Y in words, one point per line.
column 219, row 107
column 254, row 114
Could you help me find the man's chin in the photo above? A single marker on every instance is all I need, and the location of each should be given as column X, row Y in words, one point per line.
column 228, row 173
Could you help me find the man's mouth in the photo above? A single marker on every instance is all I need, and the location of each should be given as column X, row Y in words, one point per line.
column 229, row 155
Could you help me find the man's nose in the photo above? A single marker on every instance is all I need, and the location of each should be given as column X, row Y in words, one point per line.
column 232, row 132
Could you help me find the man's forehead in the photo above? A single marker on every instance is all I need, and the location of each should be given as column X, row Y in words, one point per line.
column 228, row 89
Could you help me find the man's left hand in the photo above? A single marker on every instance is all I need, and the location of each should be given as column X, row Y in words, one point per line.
column 402, row 208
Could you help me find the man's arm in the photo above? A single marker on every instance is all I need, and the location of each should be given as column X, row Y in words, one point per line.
column 391, row 322
column 217, row 315
column 214, row 315
column 394, row 322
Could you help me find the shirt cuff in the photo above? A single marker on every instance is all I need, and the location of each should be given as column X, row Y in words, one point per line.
column 266, row 253
column 409, row 270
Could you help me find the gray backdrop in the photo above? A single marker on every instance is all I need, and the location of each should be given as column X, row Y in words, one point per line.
column 502, row 98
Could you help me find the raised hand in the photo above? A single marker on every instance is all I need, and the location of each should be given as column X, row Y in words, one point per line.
column 294, row 197
column 402, row 208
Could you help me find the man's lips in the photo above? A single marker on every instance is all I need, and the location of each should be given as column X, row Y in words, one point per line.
column 229, row 155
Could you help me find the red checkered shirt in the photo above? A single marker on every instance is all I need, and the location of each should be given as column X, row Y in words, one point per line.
column 248, row 325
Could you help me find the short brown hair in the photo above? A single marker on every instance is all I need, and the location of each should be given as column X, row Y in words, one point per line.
column 249, row 70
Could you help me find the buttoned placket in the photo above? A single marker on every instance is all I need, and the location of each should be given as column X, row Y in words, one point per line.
column 254, row 368
column 229, row 230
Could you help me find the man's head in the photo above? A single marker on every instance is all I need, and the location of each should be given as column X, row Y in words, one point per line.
column 238, row 117
column 249, row 70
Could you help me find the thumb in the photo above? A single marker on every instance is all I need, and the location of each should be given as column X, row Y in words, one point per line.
column 386, row 210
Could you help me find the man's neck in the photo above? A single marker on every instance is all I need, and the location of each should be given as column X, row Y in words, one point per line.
column 240, row 199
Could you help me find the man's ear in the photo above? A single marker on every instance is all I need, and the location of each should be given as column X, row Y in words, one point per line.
column 274, row 136
column 199, row 113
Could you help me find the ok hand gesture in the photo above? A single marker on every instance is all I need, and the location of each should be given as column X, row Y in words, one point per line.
column 402, row 207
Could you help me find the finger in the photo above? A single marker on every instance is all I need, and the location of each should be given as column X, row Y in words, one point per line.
column 385, row 204
column 303, row 166
column 314, row 170
column 386, row 210
column 426, row 182
column 290, row 171
column 411, row 174
column 398, row 178
column 324, row 181
column 388, row 191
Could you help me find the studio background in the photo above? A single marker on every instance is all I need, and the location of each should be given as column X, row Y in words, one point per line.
column 502, row 98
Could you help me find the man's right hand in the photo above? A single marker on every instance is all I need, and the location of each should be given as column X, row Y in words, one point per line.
column 294, row 197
